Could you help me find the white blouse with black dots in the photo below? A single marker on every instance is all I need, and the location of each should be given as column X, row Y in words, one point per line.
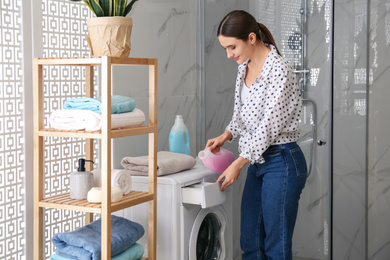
column 269, row 115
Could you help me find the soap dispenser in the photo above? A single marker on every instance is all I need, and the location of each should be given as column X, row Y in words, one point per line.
column 81, row 181
column 179, row 139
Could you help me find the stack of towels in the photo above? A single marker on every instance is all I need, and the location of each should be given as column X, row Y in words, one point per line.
column 85, row 243
column 85, row 114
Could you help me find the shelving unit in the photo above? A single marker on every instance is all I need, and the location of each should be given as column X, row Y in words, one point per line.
column 63, row 201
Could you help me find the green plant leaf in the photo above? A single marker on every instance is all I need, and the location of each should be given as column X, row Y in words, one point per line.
column 107, row 7
column 128, row 7
column 114, row 7
column 88, row 3
column 96, row 8
column 120, row 7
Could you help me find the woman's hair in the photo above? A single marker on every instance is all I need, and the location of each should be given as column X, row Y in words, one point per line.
column 239, row 24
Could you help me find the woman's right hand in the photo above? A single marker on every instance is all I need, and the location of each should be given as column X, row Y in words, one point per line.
column 215, row 143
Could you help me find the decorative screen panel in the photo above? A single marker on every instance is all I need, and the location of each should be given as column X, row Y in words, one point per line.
column 12, row 172
column 64, row 35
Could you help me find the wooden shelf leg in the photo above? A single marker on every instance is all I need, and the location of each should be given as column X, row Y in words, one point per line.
column 89, row 167
column 89, row 88
column 152, row 222
column 38, row 161
column 106, row 158
column 38, row 233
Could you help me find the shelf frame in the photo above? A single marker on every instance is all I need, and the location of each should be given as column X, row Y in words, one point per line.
column 115, row 133
column 106, row 134
column 63, row 201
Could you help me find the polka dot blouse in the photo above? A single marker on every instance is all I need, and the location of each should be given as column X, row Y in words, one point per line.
column 269, row 115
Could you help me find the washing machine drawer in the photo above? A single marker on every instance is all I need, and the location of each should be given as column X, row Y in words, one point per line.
column 205, row 194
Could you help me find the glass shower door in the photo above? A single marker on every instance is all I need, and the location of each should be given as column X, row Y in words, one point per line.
column 302, row 33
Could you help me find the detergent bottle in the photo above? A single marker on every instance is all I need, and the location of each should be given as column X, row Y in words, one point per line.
column 217, row 162
column 179, row 139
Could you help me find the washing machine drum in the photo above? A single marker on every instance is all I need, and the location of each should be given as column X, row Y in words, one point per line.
column 207, row 240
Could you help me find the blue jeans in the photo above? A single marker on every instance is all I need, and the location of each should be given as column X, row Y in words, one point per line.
column 270, row 203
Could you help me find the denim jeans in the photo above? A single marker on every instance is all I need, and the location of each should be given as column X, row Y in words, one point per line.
column 270, row 203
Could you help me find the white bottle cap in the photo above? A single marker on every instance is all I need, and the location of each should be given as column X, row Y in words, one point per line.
column 179, row 117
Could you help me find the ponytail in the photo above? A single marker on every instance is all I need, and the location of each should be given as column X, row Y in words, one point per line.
column 266, row 36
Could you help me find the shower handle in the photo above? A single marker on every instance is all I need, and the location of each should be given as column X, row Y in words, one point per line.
column 301, row 71
column 321, row 142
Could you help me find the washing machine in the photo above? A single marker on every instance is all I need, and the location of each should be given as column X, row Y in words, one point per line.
column 194, row 218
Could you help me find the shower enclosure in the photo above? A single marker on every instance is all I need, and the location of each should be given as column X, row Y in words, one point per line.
column 303, row 34
column 339, row 50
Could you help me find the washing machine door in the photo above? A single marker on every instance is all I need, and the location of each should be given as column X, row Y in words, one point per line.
column 208, row 235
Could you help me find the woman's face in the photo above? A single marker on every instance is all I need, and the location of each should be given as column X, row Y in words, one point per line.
column 237, row 49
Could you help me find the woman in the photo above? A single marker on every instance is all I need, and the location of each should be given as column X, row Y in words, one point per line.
column 266, row 114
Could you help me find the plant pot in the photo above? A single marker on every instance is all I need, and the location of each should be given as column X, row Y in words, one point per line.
column 109, row 36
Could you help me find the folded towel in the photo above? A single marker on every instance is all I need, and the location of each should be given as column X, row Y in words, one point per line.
column 92, row 121
column 167, row 163
column 119, row 104
column 94, row 195
column 120, row 178
column 58, row 257
column 135, row 252
column 85, row 243
column 75, row 120
column 130, row 119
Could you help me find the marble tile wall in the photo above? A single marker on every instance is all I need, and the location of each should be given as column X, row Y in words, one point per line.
column 361, row 165
column 378, row 169
column 220, row 75
column 166, row 30
column 171, row 35
column 349, row 130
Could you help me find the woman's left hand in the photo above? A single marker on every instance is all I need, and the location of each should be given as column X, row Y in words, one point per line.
column 230, row 174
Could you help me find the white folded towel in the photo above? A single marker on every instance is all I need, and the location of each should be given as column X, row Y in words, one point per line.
column 75, row 120
column 95, row 195
column 64, row 119
column 167, row 163
column 119, row 178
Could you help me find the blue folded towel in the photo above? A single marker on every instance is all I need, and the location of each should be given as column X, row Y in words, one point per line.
column 58, row 257
column 85, row 243
column 135, row 252
column 119, row 104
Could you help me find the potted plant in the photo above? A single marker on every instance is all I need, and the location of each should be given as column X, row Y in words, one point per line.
column 109, row 32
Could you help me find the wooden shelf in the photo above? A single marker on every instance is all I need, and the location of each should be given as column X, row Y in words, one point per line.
column 91, row 61
column 63, row 201
column 115, row 133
